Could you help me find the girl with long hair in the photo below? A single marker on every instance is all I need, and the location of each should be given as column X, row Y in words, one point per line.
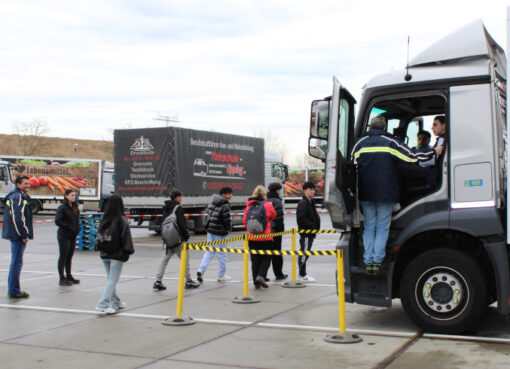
column 67, row 220
column 114, row 251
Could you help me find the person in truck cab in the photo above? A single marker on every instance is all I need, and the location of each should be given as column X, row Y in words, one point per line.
column 439, row 130
column 423, row 140
column 376, row 156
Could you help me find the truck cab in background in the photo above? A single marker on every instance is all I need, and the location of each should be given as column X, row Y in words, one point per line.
column 274, row 169
column 447, row 255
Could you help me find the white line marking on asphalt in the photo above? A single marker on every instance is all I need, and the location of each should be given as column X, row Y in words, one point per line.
column 267, row 325
column 164, row 278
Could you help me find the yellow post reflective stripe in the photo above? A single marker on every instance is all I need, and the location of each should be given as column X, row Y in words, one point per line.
column 388, row 150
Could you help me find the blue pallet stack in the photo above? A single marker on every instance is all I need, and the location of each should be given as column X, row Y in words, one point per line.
column 87, row 236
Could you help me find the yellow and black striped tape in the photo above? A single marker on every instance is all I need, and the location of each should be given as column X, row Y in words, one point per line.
column 311, row 231
column 197, row 246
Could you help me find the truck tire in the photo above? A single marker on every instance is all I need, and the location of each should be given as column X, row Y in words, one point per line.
column 444, row 291
column 35, row 206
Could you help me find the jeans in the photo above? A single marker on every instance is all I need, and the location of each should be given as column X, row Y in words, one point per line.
column 110, row 298
column 66, row 248
column 208, row 255
column 165, row 258
column 305, row 243
column 376, row 228
column 17, row 250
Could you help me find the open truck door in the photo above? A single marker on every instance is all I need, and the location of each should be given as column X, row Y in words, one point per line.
column 331, row 139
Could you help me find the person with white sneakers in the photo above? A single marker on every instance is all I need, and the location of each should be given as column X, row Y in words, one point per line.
column 218, row 225
column 307, row 219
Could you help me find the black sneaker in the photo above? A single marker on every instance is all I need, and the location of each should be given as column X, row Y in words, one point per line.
column 158, row 285
column 65, row 282
column 282, row 277
column 191, row 284
column 74, row 281
column 20, row 295
column 199, row 277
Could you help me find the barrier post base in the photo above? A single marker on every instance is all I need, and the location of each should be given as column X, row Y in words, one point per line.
column 291, row 284
column 178, row 320
column 343, row 338
column 245, row 300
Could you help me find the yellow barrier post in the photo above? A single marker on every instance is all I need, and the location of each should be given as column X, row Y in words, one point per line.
column 342, row 336
column 293, row 283
column 245, row 299
column 178, row 319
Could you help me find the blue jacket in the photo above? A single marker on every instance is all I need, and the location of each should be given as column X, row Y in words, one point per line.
column 17, row 216
column 376, row 156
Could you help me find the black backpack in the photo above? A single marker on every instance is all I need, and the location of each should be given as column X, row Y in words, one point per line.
column 256, row 217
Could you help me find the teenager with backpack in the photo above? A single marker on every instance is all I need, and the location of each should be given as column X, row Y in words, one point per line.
column 257, row 220
column 114, row 242
column 172, row 208
column 218, row 225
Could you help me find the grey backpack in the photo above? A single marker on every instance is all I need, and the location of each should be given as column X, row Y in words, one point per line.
column 170, row 230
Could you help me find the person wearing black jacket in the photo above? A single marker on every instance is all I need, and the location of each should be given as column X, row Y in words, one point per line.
column 67, row 220
column 307, row 219
column 277, row 225
column 218, row 225
column 115, row 225
column 174, row 203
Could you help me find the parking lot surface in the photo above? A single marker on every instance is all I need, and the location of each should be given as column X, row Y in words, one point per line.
column 57, row 327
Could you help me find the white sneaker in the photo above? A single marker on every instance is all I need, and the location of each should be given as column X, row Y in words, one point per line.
column 122, row 305
column 306, row 278
column 107, row 310
column 224, row 278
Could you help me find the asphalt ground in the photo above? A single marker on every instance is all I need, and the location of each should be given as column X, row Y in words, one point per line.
column 57, row 327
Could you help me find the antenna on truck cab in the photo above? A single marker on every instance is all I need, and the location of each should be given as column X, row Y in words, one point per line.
column 408, row 77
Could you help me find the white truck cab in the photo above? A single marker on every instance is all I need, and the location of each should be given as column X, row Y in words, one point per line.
column 447, row 255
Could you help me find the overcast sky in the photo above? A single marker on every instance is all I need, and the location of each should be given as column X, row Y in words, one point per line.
column 234, row 66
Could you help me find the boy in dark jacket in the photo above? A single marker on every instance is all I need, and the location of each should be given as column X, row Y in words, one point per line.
column 277, row 226
column 307, row 219
column 217, row 226
column 170, row 205
column 17, row 228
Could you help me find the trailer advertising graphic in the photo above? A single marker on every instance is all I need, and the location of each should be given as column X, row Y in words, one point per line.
column 50, row 177
column 150, row 161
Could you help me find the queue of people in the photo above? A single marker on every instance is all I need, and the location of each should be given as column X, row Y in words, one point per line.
column 264, row 215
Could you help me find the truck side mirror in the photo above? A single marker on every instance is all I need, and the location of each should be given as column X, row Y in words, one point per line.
column 317, row 148
column 319, row 119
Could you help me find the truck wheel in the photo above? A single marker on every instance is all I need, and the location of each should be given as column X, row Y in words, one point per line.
column 444, row 291
column 35, row 206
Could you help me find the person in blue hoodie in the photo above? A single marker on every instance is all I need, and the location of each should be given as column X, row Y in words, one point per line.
column 376, row 156
column 17, row 228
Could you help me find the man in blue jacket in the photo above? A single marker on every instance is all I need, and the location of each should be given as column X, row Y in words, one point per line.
column 18, row 229
column 376, row 156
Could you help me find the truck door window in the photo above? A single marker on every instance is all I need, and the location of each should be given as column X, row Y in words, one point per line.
column 343, row 127
column 412, row 133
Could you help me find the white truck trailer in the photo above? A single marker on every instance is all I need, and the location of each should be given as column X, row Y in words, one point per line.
column 448, row 250
column 51, row 176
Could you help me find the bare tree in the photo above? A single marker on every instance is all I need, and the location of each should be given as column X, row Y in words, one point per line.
column 306, row 161
column 29, row 135
column 273, row 143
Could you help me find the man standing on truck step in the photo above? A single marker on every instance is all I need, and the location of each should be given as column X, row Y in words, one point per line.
column 170, row 205
column 18, row 229
column 376, row 155
column 218, row 225
column 307, row 219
